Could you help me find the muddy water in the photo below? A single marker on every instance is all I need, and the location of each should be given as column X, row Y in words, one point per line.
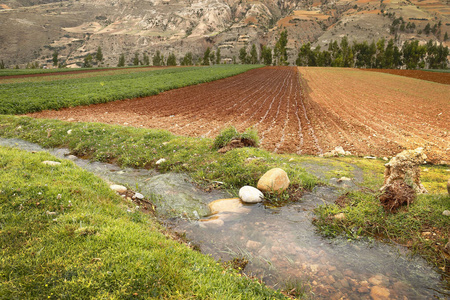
column 281, row 245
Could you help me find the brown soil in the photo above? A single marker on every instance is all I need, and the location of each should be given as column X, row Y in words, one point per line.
column 439, row 77
column 364, row 112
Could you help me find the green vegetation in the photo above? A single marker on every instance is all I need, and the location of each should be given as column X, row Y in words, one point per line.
column 19, row 98
column 230, row 133
column 379, row 55
column 141, row 148
column 65, row 234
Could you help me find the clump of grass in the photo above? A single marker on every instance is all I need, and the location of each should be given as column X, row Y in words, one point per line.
column 65, row 234
column 249, row 137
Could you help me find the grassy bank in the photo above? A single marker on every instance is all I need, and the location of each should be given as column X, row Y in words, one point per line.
column 142, row 148
column 24, row 97
column 65, row 235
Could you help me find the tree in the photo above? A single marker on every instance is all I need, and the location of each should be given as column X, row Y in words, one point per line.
column 266, row 55
column 218, row 56
column 206, row 57
column 253, row 55
column 55, row 58
column 2, row 64
column 145, row 59
column 280, row 51
column 427, row 29
column 446, row 36
column 171, row 60
column 136, row 59
column 187, row 59
column 380, row 53
column 212, row 57
column 121, row 60
column 243, row 56
column 87, row 61
column 304, row 55
column 99, row 54
column 157, row 59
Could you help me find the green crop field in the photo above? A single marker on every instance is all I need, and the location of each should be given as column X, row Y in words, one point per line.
column 25, row 97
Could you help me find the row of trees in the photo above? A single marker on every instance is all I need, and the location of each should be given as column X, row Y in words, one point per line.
column 381, row 54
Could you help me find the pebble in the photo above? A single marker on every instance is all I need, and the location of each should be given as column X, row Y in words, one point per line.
column 69, row 131
column 118, row 188
column 160, row 161
column 138, row 196
column 379, row 293
column 51, row 163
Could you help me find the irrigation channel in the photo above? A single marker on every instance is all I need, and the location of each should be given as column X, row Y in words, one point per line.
column 281, row 245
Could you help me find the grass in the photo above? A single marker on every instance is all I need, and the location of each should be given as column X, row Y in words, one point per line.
column 25, row 97
column 141, row 148
column 65, row 235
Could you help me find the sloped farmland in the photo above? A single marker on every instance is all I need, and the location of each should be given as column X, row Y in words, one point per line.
column 297, row 110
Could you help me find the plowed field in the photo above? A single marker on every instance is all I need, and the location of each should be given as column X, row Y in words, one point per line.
column 366, row 113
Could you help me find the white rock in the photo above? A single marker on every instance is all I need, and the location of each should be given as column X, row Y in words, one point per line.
column 160, row 161
column 370, row 157
column 250, row 194
column 339, row 150
column 118, row 188
column 446, row 213
column 51, row 163
column 138, row 196
column 69, row 131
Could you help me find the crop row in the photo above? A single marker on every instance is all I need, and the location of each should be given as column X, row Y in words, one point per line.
column 20, row 98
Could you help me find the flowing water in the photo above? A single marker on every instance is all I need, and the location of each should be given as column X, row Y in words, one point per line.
column 281, row 245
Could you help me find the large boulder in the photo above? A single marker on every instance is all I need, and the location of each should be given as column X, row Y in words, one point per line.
column 274, row 180
column 249, row 194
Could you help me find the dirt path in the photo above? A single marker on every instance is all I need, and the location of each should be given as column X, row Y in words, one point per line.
column 367, row 113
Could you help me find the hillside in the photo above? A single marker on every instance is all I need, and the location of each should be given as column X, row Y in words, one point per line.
column 33, row 30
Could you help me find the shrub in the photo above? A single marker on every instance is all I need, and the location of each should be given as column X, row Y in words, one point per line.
column 249, row 137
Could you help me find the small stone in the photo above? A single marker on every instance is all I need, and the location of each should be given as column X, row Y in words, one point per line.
column 379, row 293
column 344, row 179
column 51, row 163
column 446, row 213
column 160, row 161
column 138, row 196
column 50, row 213
column 253, row 245
column 118, row 188
column 211, row 222
column 225, row 205
column 377, row 279
column 250, row 194
column 385, row 158
column 69, row 131
column 339, row 216
column 363, row 290
column 370, row 157
column 274, row 180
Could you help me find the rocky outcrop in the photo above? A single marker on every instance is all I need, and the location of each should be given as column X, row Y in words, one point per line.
column 405, row 167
